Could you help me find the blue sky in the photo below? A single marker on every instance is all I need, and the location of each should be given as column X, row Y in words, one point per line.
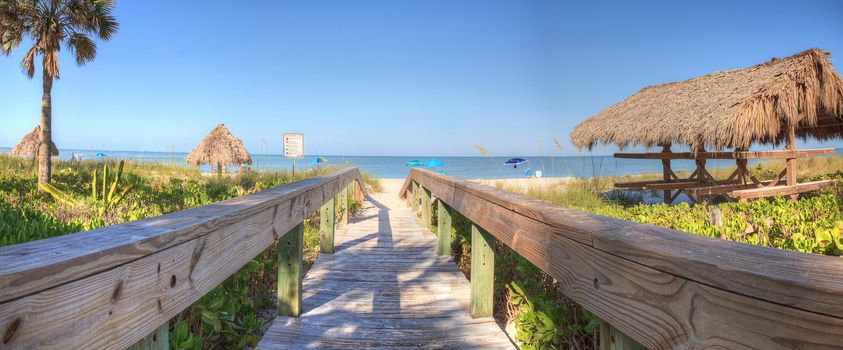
column 433, row 77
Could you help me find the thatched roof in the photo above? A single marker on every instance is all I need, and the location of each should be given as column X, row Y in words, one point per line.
column 31, row 142
column 219, row 147
column 729, row 109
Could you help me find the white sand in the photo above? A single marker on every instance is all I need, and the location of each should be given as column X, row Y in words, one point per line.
column 522, row 183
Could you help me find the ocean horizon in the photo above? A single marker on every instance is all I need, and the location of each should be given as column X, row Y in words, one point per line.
column 394, row 167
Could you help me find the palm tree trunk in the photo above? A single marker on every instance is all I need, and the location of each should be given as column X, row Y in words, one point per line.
column 44, row 151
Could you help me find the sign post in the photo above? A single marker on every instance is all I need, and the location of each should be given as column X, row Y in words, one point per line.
column 294, row 147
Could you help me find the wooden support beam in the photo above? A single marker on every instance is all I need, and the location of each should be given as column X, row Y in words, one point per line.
column 290, row 269
column 414, row 203
column 771, row 191
column 342, row 205
column 791, row 162
column 445, row 226
column 613, row 339
column 666, row 173
column 482, row 272
column 774, row 154
column 426, row 208
column 327, row 227
column 157, row 340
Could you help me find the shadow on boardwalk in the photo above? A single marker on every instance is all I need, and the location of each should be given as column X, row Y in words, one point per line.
column 385, row 287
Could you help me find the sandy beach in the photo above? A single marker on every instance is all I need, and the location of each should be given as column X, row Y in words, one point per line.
column 521, row 183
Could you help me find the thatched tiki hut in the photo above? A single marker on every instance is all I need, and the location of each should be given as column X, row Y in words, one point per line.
column 771, row 103
column 219, row 148
column 31, row 143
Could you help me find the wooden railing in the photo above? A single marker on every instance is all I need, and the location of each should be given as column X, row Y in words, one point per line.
column 663, row 288
column 117, row 286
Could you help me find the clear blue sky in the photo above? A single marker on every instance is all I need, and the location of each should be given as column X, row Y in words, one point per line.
column 433, row 77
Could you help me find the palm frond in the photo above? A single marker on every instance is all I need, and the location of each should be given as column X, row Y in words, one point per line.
column 83, row 48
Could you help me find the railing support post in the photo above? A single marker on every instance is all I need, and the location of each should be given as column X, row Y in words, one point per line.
column 482, row 272
column 444, row 223
column 157, row 340
column 342, row 197
column 414, row 203
column 290, row 266
column 613, row 339
column 426, row 207
column 327, row 227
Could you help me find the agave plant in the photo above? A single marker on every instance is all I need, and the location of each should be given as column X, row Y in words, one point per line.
column 105, row 199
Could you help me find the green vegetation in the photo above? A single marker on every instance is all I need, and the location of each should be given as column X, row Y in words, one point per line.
column 544, row 318
column 88, row 195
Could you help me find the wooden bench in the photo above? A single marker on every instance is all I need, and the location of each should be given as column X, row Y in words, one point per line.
column 783, row 190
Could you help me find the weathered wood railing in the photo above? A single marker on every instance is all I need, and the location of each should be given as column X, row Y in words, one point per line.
column 117, row 286
column 663, row 288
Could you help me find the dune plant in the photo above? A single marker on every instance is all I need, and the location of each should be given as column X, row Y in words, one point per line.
column 51, row 25
column 104, row 194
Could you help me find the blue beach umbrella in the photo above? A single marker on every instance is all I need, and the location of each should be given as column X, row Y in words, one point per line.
column 100, row 154
column 415, row 162
column 515, row 162
column 318, row 160
column 434, row 162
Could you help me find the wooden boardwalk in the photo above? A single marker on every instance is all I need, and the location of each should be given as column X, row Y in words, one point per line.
column 385, row 287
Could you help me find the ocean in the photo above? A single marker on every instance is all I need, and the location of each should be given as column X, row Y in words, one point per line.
column 393, row 167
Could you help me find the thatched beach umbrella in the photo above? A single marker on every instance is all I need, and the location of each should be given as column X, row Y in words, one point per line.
column 219, row 147
column 729, row 109
column 31, row 142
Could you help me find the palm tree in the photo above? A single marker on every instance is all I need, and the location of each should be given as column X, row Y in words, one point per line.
column 51, row 24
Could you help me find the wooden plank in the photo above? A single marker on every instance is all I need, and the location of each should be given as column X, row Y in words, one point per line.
column 385, row 287
column 674, row 185
column 34, row 266
column 445, row 228
column 426, row 208
column 640, row 184
column 158, row 340
column 327, row 226
column 613, row 339
column 120, row 305
column 720, row 189
column 773, row 154
column 647, row 282
column 342, row 198
column 782, row 190
column 482, row 272
column 290, row 269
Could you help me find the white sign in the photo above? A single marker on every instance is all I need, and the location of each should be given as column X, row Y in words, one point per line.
column 293, row 145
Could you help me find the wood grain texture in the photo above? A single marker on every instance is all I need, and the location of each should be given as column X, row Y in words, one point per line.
column 426, row 207
column 445, row 229
column 666, row 288
column 327, row 227
column 145, row 272
column 612, row 339
column 385, row 287
column 290, row 270
column 482, row 272
column 158, row 340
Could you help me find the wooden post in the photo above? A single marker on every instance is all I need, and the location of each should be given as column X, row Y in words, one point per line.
column 701, row 177
column 290, row 267
column 157, row 340
column 414, row 202
column 482, row 272
column 326, row 227
column 791, row 162
column 666, row 174
column 443, row 246
column 342, row 197
column 426, row 207
column 613, row 339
